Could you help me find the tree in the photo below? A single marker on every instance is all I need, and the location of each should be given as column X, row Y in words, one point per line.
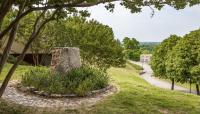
column 195, row 72
column 95, row 40
column 159, row 57
column 65, row 6
column 38, row 46
column 148, row 47
column 131, row 48
column 40, row 21
column 130, row 43
column 183, row 62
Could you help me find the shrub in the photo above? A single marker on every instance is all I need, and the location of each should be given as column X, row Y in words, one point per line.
column 37, row 77
column 77, row 81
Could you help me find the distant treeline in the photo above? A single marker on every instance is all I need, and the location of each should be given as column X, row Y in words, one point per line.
column 148, row 47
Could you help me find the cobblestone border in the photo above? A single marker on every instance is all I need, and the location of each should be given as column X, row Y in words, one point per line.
column 12, row 94
column 32, row 90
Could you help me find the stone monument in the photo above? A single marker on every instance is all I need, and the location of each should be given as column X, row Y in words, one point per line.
column 65, row 59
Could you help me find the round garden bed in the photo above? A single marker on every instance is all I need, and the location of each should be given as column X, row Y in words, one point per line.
column 15, row 94
column 34, row 91
column 79, row 82
column 40, row 87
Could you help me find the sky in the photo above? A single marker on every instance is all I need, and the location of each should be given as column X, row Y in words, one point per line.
column 145, row 28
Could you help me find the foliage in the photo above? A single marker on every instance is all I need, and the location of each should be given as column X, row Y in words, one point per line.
column 79, row 81
column 158, row 60
column 131, row 49
column 95, row 40
column 130, row 43
column 148, row 47
column 183, row 62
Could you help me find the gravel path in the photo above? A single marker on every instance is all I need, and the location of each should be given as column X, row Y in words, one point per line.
column 148, row 76
column 13, row 95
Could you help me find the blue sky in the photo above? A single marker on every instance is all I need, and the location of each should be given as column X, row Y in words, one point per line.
column 143, row 27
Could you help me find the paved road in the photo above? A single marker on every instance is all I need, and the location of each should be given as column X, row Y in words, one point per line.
column 148, row 76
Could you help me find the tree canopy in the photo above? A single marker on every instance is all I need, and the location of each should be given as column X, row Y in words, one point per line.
column 131, row 48
column 178, row 59
column 183, row 61
column 95, row 40
column 159, row 57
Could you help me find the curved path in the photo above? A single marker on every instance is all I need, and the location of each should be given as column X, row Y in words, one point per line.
column 148, row 76
column 13, row 95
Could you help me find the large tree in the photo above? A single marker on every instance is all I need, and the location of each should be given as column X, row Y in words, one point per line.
column 27, row 6
column 183, row 61
column 159, row 57
column 95, row 40
column 131, row 48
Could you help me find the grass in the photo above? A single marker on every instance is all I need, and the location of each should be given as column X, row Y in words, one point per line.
column 185, row 85
column 17, row 75
column 135, row 97
column 136, row 67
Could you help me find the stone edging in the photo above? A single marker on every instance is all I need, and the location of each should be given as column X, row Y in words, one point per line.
column 32, row 90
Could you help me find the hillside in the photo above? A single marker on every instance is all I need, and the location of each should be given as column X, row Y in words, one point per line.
column 135, row 96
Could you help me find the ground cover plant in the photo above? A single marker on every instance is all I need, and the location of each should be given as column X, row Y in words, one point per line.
column 78, row 81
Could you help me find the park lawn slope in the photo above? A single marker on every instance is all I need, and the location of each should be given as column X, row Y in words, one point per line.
column 185, row 85
column 135, row 96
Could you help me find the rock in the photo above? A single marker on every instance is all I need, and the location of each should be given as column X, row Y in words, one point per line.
column 45, row 94
column 24, row 89
column 32, row 89
column 64, row 59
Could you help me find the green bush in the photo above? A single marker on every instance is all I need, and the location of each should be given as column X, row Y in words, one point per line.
column 78, row 81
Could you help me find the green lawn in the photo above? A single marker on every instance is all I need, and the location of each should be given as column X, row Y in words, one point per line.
column 135, row 97
column 185, row 85
column 17, row 75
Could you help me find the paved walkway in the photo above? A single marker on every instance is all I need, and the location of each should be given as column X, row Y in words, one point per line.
column 13, row 95
column 148, row 76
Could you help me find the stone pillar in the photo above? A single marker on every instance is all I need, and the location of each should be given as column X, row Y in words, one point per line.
column 64, row 59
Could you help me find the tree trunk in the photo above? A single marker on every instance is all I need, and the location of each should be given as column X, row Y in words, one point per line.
column 7, row 49
column 10, row 40
column 13, row 68
column 190, row 86
column 34, row 60
column 5, row 7
column 32, row 37
column 172, row 87
column 197, row 88
column 37, row 59
column 16, row 20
